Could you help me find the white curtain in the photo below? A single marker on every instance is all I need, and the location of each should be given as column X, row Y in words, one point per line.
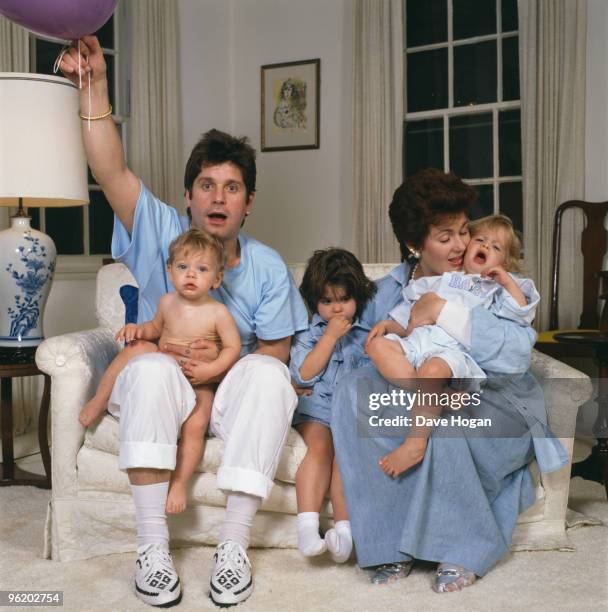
column 552, row 49
column 155, row 150
column 378, row 124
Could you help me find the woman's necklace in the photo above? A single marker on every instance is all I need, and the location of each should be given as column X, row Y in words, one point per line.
column 415, row 270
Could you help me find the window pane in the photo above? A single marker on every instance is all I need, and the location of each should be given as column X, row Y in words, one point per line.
column 485, row 202
column 46, row 54
column 509, row 142
column 106, row 34
column 101, row 221
column 510, row 68
column 423, row 145
column 471, row 146
column 426, row 22
column 509, row 15
column 427, row 80
column 64, row 226
column 475, row 73
column 511, row 203
column 110, row 64
column 34, row 213
column 474, row 18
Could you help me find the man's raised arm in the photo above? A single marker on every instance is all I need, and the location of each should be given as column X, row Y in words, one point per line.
column 102, row 143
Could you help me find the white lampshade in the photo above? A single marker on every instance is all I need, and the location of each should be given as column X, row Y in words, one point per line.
column 42, row 164
column 42, row 157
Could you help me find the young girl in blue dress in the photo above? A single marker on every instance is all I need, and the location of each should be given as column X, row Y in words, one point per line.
column 336, row 291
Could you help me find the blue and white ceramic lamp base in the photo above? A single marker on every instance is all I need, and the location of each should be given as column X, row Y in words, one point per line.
column 27, row 263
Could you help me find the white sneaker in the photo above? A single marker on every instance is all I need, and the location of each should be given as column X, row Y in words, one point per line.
column 156, row 581
column 231, row 580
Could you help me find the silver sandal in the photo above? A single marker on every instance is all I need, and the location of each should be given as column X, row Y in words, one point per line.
column 448, row 574
column 389, row 572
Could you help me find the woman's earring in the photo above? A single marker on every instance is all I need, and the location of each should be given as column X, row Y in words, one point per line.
column 415, row 253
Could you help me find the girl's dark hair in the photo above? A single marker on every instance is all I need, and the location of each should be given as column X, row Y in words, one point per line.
column 338, row 268
column 422, row 200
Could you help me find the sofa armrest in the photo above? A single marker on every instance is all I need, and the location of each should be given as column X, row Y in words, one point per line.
column 565, row 389
column 75, row 363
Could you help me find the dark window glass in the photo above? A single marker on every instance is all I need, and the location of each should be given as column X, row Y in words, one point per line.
column 485, row 202
column 65, row 227
column 475, row 73
column 427, row 80
column 509, row 15
column 511, row 203
column 106, row 34
column 509, row 142
column 471, row 146
column 510, row 68
column 426, row 22
column 423, row 145
column 34, row 213
column 101, row 221
column 474, row 18
column 46, row 54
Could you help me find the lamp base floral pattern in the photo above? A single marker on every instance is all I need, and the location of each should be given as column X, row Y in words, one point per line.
column 27, row 263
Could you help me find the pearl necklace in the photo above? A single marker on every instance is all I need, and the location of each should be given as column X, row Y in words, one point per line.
column 414, row 270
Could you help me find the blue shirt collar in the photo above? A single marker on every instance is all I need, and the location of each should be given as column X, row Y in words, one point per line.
column 401, row 273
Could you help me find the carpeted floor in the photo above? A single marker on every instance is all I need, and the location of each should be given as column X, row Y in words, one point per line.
column 285, row 581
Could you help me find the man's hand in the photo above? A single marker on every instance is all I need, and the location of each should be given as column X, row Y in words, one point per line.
column 130, row 332
column 425, row 311
column 337, row 327
column 200, row 350
column 377, row 330
column 92, row 62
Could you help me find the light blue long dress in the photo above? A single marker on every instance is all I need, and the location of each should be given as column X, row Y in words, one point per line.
column 461, row 503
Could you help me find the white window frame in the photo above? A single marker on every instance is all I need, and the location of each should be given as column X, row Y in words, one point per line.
column 453, row 111
column 85, row 265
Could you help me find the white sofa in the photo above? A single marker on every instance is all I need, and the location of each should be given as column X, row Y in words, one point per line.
column 91, row 512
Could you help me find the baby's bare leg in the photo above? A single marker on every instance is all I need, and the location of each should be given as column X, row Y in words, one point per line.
column 95, row 407
column 190, row 448
column 389, row 358
column 434, row 372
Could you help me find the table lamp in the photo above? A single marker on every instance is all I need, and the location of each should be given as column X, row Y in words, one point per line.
column 42, row 164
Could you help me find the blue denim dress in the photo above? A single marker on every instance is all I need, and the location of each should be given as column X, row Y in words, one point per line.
column 348, row 355
column 461, row 503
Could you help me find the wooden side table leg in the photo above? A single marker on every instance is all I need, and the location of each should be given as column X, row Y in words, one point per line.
column 43, row 420
column 6, row 406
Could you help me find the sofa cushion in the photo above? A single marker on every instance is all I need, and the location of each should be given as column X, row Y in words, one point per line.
column 104, row 438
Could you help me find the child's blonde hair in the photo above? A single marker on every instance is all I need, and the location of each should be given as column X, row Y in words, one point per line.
column 197, row 241
column 513, row 253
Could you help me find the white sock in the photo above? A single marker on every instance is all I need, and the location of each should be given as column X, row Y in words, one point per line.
column 310, row 542
column 340, row 541
column 240, row 510
column 150, row 514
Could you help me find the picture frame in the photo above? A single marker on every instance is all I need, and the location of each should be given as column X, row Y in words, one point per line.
column 290, row 105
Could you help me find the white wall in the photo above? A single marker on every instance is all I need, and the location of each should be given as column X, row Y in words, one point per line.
column 596, row 154
column 304, row 197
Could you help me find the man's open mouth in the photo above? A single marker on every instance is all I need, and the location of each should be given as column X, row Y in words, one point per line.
column 217, row 216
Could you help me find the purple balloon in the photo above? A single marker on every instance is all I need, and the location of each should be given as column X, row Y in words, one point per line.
column 64, row 19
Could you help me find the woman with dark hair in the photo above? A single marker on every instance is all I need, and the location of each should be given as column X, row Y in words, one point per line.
column 458, row 507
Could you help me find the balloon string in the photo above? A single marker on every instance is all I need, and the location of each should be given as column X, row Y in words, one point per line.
column 56, row 70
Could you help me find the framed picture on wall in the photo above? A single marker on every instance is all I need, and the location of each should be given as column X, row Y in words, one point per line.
column 290, row 105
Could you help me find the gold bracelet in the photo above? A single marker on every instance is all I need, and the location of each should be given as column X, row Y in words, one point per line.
column 96, row 117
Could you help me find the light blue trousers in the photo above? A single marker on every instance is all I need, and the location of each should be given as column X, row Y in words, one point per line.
column 459, row 505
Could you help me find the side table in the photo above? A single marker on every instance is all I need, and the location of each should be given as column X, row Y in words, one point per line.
column 13, row 364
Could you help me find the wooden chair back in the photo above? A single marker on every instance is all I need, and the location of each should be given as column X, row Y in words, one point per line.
column 593, row 247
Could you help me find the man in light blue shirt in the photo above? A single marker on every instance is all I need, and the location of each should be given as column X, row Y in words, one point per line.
column 255, row 401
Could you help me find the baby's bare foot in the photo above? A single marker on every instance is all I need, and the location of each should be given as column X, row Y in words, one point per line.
column 409, row 454
column 176, row 499
column 92, row 410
